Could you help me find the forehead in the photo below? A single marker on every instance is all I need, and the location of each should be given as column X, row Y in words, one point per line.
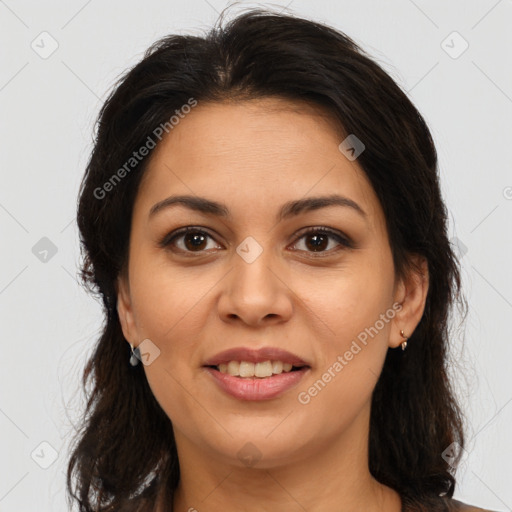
column 255, row 153
column 243, row 129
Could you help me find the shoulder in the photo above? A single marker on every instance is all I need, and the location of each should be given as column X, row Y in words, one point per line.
column 439, row 504
column 465, row 507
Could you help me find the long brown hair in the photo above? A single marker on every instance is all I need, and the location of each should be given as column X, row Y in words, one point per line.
column 126, row 440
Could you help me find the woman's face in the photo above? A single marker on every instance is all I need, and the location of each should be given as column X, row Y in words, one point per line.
column 254, row 279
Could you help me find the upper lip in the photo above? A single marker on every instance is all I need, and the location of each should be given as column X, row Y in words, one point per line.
column 252, row 355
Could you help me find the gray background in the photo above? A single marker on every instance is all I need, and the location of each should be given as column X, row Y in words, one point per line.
column 48, row 103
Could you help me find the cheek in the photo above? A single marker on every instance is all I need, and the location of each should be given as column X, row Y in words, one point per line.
column 349, row 302
column 356, row 313
column 168, row 301
column 350, row 358
column 169, row 305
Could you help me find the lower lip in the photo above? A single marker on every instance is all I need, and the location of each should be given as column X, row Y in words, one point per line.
column 256, row 388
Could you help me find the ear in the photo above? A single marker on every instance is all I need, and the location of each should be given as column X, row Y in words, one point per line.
column 411, row 294
column 124, row 309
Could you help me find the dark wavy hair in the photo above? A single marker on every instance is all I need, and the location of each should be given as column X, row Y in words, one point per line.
column 125, row 444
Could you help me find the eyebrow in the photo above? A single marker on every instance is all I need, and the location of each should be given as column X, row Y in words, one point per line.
column 289, row 209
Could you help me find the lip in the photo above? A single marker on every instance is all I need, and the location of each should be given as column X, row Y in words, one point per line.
column 255, row 388
column 252, row 355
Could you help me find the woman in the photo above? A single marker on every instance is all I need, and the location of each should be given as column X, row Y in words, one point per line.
column 262, row 218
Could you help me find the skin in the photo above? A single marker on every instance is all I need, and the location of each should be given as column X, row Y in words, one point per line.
column 254, row 156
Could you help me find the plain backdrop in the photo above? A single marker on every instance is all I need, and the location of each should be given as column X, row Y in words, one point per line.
column 59, row 60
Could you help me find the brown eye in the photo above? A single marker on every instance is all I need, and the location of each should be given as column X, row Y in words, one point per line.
column 193, row 241
column 187, row 240
column 317, row 240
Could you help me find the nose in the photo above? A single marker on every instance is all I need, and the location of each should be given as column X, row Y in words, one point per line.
column 255, row 292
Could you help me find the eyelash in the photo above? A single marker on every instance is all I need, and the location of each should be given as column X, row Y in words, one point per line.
column 169, row 239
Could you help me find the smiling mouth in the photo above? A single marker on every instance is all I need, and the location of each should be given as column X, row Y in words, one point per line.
column 262, row 370
column 253, row 387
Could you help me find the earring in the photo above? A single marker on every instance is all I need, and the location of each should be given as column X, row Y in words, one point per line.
column 404, row 343
column 135, row 357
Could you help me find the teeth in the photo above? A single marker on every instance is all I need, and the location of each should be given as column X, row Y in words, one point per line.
column 263, row 369
column 277, row 366
column 247, row 369
column 234, row 368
